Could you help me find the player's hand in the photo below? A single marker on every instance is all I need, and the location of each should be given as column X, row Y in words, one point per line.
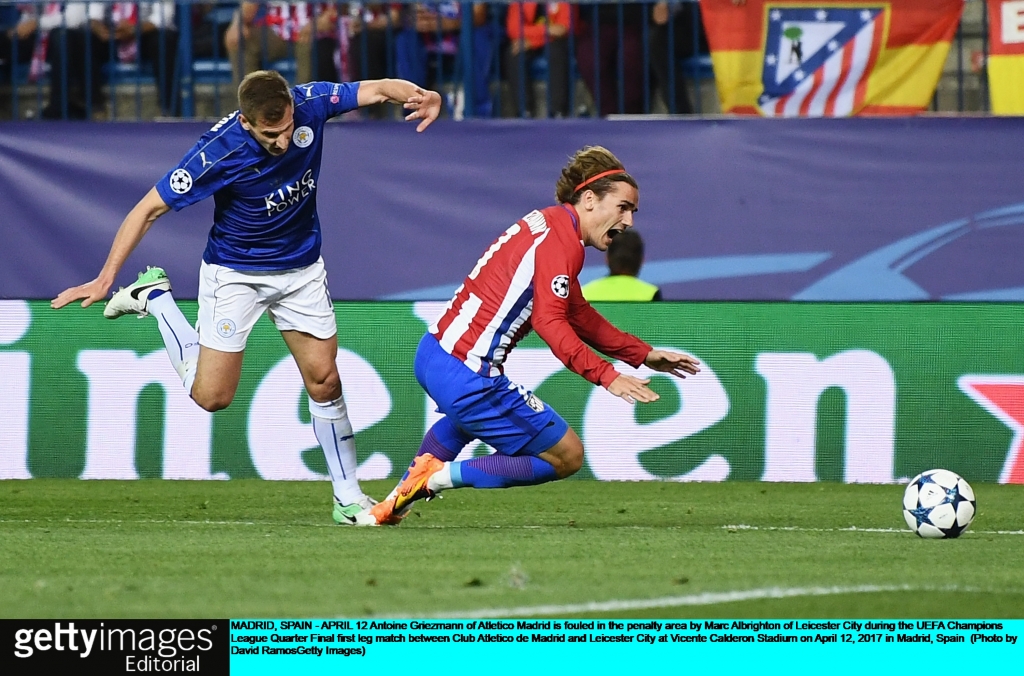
column 425, row 105
column 672, row 362
column 633, row 389
column 88, row 293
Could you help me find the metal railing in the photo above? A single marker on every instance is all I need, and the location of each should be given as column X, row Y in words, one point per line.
column 111, row 60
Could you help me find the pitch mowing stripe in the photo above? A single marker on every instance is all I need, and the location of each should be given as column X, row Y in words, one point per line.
column 705, row 599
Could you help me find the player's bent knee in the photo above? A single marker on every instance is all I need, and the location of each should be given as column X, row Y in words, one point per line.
column 573, row 461
column 212, row 401
column 567, row 455
column 328, row 389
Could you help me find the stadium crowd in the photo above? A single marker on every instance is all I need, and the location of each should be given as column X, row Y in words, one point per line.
column 527, row 59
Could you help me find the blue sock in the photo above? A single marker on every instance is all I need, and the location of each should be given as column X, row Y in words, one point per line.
column 444, row 441
column 502, row 471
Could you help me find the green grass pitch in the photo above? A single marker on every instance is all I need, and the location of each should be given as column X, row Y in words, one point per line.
column 248, row 548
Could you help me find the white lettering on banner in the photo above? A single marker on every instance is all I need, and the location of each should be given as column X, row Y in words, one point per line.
column 1012, row 16
column 614, row 440
column 278, row 437
column 796, row 381
column 15, row 319
column 116, row 378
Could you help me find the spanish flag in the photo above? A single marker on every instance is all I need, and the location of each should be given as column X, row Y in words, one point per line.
column 1006, row 56
column 828, row 59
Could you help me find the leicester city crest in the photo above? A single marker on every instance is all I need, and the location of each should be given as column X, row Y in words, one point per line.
column 302, row 137
column 817, row 59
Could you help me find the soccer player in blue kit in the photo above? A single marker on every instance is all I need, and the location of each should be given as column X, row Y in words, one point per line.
column 262, row 166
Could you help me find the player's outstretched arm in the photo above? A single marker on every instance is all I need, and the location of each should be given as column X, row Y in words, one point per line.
column 424, row 103
column 672, row 362
column 135, row 225
column 633, row 389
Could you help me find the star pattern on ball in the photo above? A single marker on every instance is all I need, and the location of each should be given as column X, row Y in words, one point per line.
column 921, row 514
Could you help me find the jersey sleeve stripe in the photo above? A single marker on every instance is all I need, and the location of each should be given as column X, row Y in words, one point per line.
column 510, row 335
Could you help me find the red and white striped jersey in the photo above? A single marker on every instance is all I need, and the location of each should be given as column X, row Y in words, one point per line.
column 528, row 278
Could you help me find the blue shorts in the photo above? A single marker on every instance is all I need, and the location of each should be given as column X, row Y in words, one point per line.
column 493, row 410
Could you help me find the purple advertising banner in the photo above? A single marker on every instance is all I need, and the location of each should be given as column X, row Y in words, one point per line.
column 860, row 209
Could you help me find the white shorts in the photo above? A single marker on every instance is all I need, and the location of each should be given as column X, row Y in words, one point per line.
column 230, row 302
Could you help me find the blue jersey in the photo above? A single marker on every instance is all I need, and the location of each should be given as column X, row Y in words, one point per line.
column 265, row 206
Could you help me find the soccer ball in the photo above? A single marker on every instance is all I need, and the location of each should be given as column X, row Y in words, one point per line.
column 938, row 504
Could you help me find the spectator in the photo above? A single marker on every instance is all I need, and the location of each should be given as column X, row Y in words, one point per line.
column 143, row 42
column 599, row 61
column 428, row 42
column 367, row 53
column 17, row 40
column 684, row 18
column 208, row 29
column 69, row 29
column 327, row 63
column 427, row 46
column 625, row 257
column 275, row 31
column 530, row 25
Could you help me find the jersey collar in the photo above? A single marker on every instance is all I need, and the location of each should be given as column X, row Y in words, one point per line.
column 574, row 216
column 253, row 143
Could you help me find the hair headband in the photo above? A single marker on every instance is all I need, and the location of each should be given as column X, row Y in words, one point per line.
column 590, row 180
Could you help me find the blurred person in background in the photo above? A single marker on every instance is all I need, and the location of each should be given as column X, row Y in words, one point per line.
column 599, row 61
column 207, row 31
column 625, row 258
column 68, row 30
column 367, row 53
column 18, row 24
column 279, row 30
column 529, row 25
column 684, row 19
column 146, row 32
column 428, row 44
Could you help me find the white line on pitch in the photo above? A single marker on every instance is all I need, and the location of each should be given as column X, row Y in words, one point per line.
column 705, row 599
column 855, row 529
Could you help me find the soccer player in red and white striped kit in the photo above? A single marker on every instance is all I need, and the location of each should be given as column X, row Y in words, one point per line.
column 526, row 279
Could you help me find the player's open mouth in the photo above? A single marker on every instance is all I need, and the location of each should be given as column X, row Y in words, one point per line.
column 612, row 234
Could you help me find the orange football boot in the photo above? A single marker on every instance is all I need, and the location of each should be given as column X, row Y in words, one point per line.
column 413, row 487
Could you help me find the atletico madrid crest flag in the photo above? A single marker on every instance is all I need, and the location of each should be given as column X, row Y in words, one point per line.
column 828, row 59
